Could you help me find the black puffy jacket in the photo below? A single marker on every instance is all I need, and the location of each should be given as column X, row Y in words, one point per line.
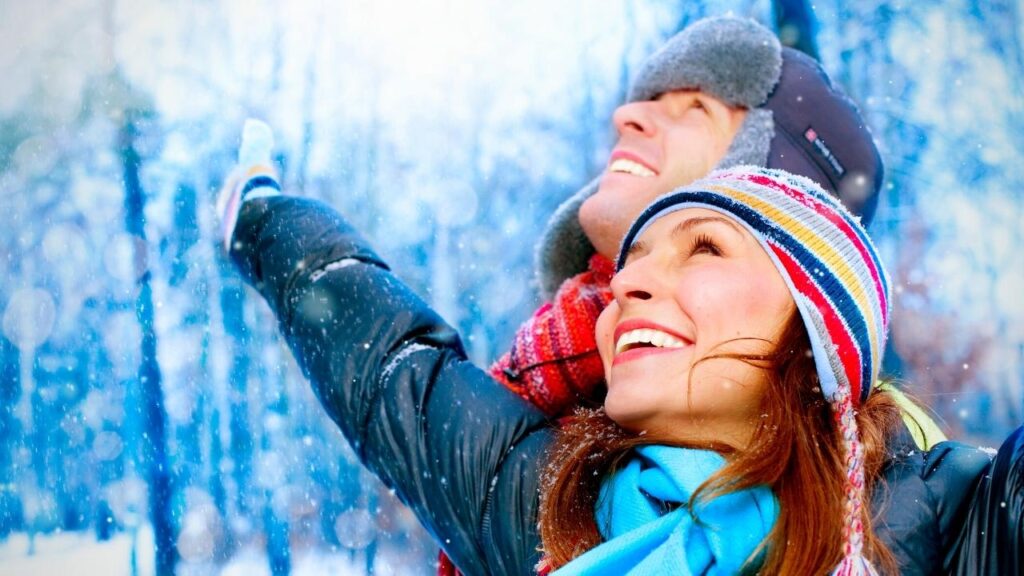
column 465, row 453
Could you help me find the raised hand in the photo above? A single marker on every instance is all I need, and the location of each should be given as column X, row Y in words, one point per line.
column 253, row 177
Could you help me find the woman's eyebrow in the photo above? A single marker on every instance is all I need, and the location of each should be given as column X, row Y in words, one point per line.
column 638, row 247
column 685, row 226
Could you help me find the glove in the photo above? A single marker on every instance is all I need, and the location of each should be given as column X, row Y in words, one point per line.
column 554, row 361
column 253, row 177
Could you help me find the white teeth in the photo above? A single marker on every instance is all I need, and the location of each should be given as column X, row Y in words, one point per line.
column 630, row 167
column 648, row 336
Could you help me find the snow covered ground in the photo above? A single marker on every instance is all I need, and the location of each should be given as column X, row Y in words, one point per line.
column 69, row 553
column 74, row 553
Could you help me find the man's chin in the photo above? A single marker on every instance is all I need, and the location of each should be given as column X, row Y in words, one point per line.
column 605, row 230
column 622, row 185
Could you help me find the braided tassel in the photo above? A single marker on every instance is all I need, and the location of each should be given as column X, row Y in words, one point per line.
column 854, row 566
column 854, row 563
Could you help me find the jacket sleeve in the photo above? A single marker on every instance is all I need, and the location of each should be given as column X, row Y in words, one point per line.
column 992, row 537
column 458, row 448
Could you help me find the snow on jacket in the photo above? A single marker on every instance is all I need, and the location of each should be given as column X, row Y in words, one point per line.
column 464, row 452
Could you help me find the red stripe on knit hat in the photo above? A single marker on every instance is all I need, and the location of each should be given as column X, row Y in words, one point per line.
column 839, row 335
column 831, row 214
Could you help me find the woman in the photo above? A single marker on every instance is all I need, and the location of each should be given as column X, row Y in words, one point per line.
column 706, row 349
column 723, row 446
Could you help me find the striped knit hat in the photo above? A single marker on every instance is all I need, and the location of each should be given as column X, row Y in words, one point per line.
column 839, row 285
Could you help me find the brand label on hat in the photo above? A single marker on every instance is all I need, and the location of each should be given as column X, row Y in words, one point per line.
column 812, row 136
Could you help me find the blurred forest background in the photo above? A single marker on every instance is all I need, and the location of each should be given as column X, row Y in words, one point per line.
column 146, row 400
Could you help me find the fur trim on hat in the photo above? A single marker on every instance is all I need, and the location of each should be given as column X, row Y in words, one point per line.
column 752, row 142
column 564, row 249
column 735, row 60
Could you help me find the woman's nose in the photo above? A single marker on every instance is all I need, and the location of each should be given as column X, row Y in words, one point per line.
column 635, row 117
column 633, row 283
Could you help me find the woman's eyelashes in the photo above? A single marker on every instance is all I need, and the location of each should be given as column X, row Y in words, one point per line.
column 704, row 244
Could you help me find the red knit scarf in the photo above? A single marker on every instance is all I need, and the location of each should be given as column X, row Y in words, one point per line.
column 554, row 362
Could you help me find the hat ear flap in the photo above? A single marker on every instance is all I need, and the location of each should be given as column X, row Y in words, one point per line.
column 752, row 142
column 564, row 249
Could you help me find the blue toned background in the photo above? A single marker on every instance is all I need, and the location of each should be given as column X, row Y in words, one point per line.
column 144, row 392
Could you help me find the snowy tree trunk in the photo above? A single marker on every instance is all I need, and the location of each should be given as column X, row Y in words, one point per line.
column 217, row 490
column 276, row 450
column 278, row 552
column 232, row 300
column 309, row 107
column 155, row 461
column 10, row 388
column 443, row 283
column 794, row 22
column 371, row 548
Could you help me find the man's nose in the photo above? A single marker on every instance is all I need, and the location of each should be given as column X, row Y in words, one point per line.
column 635, row 117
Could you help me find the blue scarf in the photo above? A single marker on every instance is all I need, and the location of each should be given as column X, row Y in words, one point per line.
column 643, row 514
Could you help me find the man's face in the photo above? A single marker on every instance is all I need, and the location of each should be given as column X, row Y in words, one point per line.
column 663, row 144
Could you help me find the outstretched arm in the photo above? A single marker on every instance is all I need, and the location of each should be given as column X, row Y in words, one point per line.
column 458, row 448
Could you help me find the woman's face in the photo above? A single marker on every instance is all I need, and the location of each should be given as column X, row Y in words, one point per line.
column 695, row 284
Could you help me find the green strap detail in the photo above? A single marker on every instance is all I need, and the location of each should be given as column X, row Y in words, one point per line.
column 922, row 427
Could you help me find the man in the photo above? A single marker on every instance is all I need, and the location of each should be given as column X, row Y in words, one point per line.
column 721, row 93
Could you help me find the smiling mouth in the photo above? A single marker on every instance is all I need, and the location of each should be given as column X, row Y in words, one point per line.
column 647, row 338
column 627, row 166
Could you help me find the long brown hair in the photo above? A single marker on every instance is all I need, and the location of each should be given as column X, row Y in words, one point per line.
column 795, row 449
